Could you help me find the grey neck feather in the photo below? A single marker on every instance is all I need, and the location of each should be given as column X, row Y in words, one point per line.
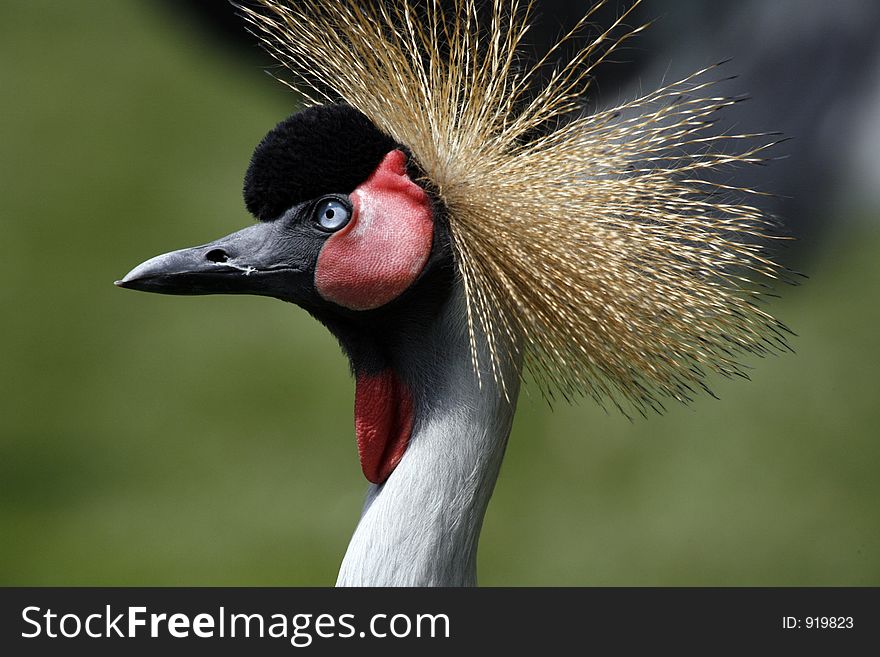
column 421, row 527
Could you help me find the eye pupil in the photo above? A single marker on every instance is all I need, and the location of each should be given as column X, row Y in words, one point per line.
column 329, row 214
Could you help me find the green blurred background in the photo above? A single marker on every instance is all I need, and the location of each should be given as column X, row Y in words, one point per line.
column 148, row 440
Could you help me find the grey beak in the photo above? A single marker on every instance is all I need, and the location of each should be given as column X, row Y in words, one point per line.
column 251, row 261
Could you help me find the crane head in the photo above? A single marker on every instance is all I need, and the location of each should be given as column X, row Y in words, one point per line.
column 344, row 223
column 347, row 231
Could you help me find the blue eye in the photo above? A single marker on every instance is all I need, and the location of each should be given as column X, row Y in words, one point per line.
column 332, row 214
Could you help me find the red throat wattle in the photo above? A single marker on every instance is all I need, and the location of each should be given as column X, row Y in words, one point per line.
column 383, row 420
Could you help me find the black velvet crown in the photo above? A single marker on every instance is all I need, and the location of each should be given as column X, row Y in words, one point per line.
column 321, row 150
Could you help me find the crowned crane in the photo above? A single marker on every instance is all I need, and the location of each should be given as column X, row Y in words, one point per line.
column 454, row 227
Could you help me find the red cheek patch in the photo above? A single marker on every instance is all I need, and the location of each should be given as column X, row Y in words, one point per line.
column 385, row 245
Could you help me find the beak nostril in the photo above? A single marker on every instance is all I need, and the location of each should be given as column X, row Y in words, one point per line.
column 217, row 255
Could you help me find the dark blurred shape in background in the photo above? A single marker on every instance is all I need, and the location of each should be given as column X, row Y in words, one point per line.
column 812, row 71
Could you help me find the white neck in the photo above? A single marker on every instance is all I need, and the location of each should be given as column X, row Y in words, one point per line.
column 421, row 527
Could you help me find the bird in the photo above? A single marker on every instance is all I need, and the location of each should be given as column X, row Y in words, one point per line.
column 460, row 221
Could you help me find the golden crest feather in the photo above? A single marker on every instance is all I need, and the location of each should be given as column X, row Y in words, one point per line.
column 591, row 246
